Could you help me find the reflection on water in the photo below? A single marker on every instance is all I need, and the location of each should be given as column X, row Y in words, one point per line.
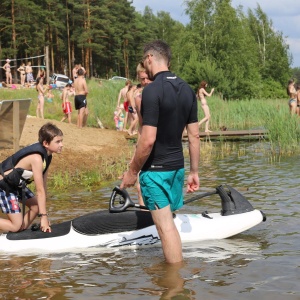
column 262, row 262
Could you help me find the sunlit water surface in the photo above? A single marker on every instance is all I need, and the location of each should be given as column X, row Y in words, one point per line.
column 261, row 263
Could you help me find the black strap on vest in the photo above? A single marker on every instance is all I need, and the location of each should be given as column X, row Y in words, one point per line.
column 1, row 171
column 23, row 198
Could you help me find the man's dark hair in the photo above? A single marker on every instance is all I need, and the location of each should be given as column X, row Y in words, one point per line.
column 159, row 47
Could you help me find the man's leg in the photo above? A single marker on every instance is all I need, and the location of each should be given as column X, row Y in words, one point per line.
column 85, row 116
column 168, row 233
column 80, row 117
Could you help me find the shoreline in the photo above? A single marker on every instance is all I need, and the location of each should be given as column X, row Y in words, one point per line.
column 88, row 150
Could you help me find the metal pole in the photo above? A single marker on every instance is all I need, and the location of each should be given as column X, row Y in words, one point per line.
column 47, row 64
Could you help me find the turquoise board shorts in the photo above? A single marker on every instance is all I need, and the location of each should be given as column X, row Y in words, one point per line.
column 160, row 189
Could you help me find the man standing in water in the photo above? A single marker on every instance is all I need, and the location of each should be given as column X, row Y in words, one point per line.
column 81, row 92
column 168, row 106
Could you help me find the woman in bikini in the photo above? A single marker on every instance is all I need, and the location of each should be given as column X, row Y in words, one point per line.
column 291, row 91
column 201, row 93
column 41, row 99
column 6, row 67
column 298, row 100
column 21, row 69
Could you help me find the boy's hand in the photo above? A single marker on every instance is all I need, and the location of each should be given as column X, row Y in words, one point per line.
column 45, row 224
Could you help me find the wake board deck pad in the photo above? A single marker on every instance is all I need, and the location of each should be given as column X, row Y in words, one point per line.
column 128, row 227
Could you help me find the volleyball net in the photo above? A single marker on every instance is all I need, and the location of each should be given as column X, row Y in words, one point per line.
column 21, row 60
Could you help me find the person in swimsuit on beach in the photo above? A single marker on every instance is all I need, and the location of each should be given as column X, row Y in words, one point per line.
column 81, row 92
column 122, row 95
column 298, row 99
column 66, row 105
column 29, row 75
column 21, row 69
column 291, row 91
column 132, row 130
column 201, row 95
column 41, row 99
column 6, row 67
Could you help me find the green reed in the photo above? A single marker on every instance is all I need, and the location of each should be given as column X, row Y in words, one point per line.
column 273, row 114
column 108, row 170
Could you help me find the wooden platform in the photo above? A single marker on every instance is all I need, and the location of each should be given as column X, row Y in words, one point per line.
column 227, row 134
column 233, row 134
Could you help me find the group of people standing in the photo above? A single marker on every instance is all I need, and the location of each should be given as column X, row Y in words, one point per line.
column 127, row 113
column 78, row 90
column 26, row 73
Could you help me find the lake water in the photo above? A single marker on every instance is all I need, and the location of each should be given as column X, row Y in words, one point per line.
column 261, row 263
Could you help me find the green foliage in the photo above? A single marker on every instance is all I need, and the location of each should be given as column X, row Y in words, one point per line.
column 296, row 75
column 272, row 114
column 240, row 54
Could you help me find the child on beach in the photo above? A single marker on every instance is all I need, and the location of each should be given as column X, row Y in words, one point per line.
column 119, row 117
column 41, row 92
column 49, row 95
column 66, row 105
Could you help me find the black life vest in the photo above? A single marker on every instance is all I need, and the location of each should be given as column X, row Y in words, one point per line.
column 12, row 182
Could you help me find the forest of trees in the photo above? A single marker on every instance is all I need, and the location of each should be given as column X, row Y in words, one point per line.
column 238, row 53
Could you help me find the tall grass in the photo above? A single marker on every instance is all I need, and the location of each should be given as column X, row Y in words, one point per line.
column 102, row 101
column 272, row 114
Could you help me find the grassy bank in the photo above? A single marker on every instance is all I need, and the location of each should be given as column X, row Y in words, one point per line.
column 272, row 114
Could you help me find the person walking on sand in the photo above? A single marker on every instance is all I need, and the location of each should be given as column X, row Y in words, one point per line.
column 81, row 92
column 201, row 93
column 15, row 173
column 41, row 98
column 168, row 106
column 7, row 70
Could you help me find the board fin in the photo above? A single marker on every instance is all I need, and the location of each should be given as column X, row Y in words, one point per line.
column 232, row 201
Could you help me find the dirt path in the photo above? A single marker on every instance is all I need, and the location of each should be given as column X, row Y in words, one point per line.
column 83, row 148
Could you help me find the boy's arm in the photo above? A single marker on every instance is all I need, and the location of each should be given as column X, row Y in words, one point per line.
column 119, row 98
column 64, row 96
column 85, row 88
column 130, row 96
column 40, row 184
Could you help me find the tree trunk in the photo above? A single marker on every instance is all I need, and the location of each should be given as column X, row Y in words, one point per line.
column 14, row 40
column 69, row 45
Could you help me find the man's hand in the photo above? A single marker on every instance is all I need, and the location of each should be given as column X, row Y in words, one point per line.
column 193, row 183
column 129, row 179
